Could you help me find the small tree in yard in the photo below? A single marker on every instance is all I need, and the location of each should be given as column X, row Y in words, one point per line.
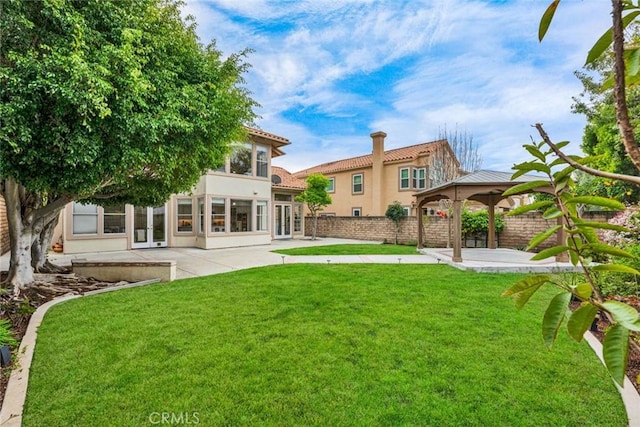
column 395, row 212
column 316, row 197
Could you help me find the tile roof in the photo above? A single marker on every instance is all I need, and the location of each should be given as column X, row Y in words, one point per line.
column 259, row 132
column 286, row 179
column 404, row 153
column 485, row 177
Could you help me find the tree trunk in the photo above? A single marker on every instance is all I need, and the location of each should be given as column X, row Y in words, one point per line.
column 315, row 226
column 20, row 221
column 40, row 249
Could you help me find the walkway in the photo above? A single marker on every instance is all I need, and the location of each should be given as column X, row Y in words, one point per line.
column 194, row 262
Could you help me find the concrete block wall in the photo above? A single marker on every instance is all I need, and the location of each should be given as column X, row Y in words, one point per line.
column 4, row 227
column 517, row 231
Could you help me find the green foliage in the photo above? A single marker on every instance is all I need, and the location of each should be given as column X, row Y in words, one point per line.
column 122, row 100
column 478, row 222
column 315, row 195
column 6, row 336
column 395, row 212
column 581, row 244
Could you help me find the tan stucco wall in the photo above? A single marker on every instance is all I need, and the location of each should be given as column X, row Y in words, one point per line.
column 343, row 200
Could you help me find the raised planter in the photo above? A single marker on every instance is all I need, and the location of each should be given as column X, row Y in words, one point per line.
column 130, row 271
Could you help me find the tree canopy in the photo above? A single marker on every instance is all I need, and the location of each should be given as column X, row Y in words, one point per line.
column 109, row 100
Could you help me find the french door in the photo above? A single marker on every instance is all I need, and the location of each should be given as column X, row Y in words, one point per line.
column 282, row 218
column 149, row 227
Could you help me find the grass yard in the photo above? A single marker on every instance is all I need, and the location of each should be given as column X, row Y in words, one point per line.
column 366, row 344
column 352, row 249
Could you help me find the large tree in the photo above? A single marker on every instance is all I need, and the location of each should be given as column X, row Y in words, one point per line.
column 601, row 135
column 106, row 101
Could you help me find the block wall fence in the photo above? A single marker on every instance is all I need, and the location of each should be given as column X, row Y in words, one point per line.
column 517, row 231
column 4, row 227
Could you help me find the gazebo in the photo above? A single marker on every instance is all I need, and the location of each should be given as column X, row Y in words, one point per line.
column 483, row 186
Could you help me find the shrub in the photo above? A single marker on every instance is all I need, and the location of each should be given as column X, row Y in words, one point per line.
column 478, row 222
column 6, row 336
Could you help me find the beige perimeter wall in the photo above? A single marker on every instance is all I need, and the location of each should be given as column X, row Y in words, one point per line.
column 516, row 234
column 4, row 227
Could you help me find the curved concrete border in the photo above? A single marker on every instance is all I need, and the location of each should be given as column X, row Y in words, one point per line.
column 16, row 393
column 630, row 396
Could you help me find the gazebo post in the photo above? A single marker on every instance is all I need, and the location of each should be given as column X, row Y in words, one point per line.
column 420, row 225
column 491, row 244
column 457, row 231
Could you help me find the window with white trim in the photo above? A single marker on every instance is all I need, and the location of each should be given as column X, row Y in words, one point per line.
column 357, row 187
column 405, row 184
column 241, row 215
column 218, row 215
column 113, row 219
column 185, row 215
column 85, row 219
column 356, row 212
column 262, row 161
column 406, row 210
column 200, row 215
column 419, row 178
column 297, row 217
column 331, row 187
column 262, row 217
column 241, row 159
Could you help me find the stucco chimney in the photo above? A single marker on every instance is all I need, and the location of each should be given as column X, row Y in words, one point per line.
column 378, row 196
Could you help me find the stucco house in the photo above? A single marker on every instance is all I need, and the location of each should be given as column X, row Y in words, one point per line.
column 245, row 202
column 367, row 185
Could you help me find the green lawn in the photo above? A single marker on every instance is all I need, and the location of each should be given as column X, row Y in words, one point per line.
column 324, row 345
column 352, row 249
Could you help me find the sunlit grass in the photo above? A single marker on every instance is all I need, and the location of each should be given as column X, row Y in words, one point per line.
column 314, row 345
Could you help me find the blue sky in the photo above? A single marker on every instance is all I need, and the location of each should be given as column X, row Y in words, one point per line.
column 327, row 73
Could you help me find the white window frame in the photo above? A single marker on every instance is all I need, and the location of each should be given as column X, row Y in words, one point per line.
column 408, row 179
column 331, row 187
column 356, row 212
column 106, row 214
column 260, row 163
column 215, row 229
column 201, row 210
column 353, row 183
column 85, row 214
column 419, row 183
column 182, row 217
column 262, row 215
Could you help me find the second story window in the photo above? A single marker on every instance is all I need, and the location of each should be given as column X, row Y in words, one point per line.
column 357, row 187
column 262, row 161
column 331, row 187
column 419, row 178
column 240, row 160
column 404, row 179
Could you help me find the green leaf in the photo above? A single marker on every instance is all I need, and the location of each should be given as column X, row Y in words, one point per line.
column 546, row 19
column 548, row 253
column 552, row 213
column 584, row 290
column 623, row 314
column 554, row 316
column 525, row 187
column 597, row 201
column 607, row 38
column 530, row 166
column 574, row 257
column 535, row 152
column 633, row 60
column 603, row 226
column 530, row 207
column 616, row 268
column 563, row 173
column 541, row 237
column 524, row 289
column 580, row 320
column 615, row 350
column 611, row 250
